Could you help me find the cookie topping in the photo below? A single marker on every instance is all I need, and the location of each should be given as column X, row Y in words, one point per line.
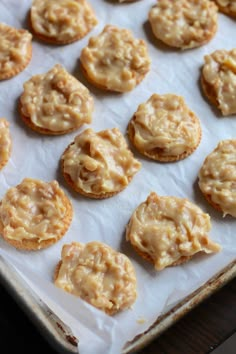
column 100, row 163
column 56, row 101
column 165, row 229
column 99, row 275
column 115, row 60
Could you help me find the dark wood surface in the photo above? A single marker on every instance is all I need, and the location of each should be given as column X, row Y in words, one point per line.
column 198, row 332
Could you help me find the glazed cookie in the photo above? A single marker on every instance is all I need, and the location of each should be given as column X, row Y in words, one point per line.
column 55, row 103
column 99, row 165
column 164, row 128
column 184, row 23
column 34, row 214
column 5, row 142
column 227, row 6
column 218, row 80
column 115, row 60
column 15, row 50
column 168, row 231
column 61, row 21
column 96, row 273
column 217, row 177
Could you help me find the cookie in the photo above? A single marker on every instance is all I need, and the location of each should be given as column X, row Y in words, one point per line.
column 168, row 231
column 218, row 80
column 97, row 274
column 164, row 128
column 5, row 142
column 228, row 7
column 34, row 214
column 115, row 60
column 15, row 50
column 55, row 102
column 217, row 177
column 184, row 23
column 99, row 165
column 61, row 21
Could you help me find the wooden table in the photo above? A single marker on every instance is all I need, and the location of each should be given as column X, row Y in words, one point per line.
column 198, row 332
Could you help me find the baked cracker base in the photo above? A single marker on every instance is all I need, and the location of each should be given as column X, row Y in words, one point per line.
column 156, row 154
column 33, row 244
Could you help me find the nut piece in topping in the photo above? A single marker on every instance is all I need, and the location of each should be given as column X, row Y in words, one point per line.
column 184, row 23
column 164, row 128
column 62, row 21
column 115, row 60
column 97, row 274
column 99, row 165
column 168, row 231
column 15, row 50
column 56, row 102
column 5, row 142
column 34, row 214
column 217, row 177
column 227, row 6
column 218, row 80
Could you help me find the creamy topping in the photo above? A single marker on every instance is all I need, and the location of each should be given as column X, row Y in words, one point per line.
column 62, row 20
column 116, row 60
column 100, row 162
column 168, row 228
column 56, row 101
column 99, row 275
column 164, row 123
column 33, row 210
column 219, row 72
column 14, row 48
column 5, row 142
column 184, row 23
column 217, row 176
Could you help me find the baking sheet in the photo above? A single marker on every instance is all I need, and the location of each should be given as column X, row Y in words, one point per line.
column 38, row 156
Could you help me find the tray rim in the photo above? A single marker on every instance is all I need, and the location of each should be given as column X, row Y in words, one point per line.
column 60, row 336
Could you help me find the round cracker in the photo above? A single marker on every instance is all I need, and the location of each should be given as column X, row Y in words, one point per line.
column 64, row 90
column 18, row 66
column 125, row 63
column 42, row 130
column 57, row 40
column 76, row 188
column 217, row 80
column 161, row 227
column 148, row 258
column 216, row 177
column 184, row 24
column 157, row 153
column 79, row 261
column 34, row 244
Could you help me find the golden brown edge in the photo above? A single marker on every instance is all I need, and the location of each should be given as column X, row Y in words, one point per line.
column 41, row 130
column 139, row 79
column 207, row 38
column 156, row 155
column 81, row 191
column 56, row 41
column 18, row 69
column 33, row 245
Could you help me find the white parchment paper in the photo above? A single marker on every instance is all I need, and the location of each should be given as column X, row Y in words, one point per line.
column 37, row 156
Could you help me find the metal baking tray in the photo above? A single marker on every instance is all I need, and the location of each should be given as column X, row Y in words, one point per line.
column 59, row 335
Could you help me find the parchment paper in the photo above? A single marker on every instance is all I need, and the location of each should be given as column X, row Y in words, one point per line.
column 37, row 156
